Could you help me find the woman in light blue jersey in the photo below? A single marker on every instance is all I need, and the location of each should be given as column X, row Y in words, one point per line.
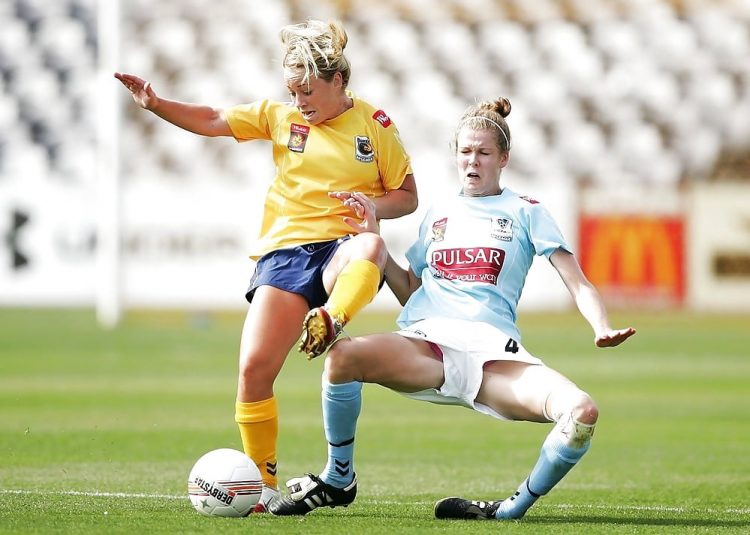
column 458, row 343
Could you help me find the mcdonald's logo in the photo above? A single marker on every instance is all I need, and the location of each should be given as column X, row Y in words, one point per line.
column 635, row 258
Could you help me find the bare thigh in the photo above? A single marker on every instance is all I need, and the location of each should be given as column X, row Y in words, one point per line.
column 519, row 390
column 399, row 363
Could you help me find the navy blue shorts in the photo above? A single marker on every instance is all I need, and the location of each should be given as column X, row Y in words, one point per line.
column 297, row 269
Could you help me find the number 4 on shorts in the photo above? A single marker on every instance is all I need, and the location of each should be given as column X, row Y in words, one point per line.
column 511, row 346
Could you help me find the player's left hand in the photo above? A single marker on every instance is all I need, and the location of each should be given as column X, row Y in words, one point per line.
column 613, row 337
column 364, row 209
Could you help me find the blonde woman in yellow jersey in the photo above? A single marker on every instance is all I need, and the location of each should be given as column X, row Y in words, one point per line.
column 311, row 275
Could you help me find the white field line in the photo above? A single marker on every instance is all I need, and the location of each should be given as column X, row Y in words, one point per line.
column 93, row 494
column 655, row 508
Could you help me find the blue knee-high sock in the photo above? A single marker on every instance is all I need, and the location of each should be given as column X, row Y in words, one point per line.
column 555, row 460
column 341, row 406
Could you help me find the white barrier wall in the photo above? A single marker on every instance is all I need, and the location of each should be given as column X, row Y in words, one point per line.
column 47, row 251
column 719, row 247
column 184, row 242
column 182, row 245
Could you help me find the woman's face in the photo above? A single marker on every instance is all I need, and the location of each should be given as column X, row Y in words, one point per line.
column 479, row 162
column 317, row 100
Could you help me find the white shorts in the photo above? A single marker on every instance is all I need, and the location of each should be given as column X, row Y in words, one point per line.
column 466, row 346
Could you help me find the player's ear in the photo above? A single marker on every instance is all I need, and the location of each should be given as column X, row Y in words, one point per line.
column 504, row 159
column 338, row 80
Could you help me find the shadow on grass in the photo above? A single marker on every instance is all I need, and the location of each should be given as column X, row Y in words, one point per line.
column 675, row 520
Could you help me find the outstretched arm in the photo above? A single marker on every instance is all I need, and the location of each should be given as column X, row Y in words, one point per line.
column 588, row 300
column 196, row 118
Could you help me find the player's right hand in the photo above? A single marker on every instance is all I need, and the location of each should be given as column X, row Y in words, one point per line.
column 613, row 337
column 363, row 207
column 141, row 91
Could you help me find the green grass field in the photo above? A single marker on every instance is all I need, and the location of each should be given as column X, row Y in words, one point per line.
column 100, row 429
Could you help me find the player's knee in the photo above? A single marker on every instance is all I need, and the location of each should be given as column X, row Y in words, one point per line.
column 569, row 399
column 340, row 365
column 255, row 369
column 372, row 247
column 575, row 426
column 344, row 363
column 585, row 409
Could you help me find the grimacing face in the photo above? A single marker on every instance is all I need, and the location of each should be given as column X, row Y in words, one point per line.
column 317, row 99
column 479, row 161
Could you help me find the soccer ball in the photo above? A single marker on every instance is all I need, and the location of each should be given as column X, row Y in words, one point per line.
column 224, row 482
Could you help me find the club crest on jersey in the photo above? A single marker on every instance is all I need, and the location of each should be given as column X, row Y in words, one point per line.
column 298, row 137
column 438, row 229
column 363, row 150
column 501, row 228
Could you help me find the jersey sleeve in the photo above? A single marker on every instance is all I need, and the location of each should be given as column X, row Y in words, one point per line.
column 393, row 161
column 544, row 233
column 417, row 253
column 251, row 121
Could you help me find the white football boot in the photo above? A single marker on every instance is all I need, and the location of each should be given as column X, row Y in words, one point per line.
column 267, row 496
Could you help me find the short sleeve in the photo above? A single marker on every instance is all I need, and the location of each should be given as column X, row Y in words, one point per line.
column 417, row 253
column 544, row 233
column 251, row 121
column 393, row 161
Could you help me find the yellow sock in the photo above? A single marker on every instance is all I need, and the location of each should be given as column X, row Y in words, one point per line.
column 355, row 287
column 259, row 428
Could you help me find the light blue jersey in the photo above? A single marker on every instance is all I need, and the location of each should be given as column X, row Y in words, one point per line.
column 473, row 254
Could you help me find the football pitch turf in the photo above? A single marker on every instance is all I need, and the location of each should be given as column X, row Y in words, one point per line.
column 99, row 429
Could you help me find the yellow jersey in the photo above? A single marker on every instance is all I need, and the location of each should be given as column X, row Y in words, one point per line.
column 359, row 150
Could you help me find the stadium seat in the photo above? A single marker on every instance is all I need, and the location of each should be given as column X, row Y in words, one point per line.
column 589, row 80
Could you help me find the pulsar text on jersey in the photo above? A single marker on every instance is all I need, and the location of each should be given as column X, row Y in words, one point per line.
column 475, row 264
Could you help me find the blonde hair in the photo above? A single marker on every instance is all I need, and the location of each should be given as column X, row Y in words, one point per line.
column 487, row 115
column 317, row 48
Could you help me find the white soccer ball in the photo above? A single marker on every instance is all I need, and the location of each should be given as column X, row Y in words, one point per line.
column 224, row 482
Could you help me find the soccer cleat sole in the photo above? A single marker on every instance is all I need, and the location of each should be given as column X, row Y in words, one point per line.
column 317, row 335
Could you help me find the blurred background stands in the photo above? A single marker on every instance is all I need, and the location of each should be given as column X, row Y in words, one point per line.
column 603, row 91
